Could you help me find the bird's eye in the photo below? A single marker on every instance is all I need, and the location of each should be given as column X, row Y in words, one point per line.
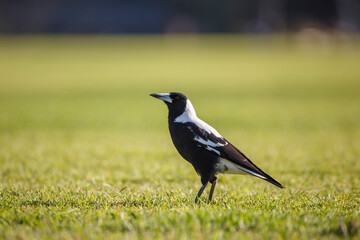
column 176, row 97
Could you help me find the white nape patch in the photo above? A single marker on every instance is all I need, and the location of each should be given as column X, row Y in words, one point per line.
column 227, row 167
column 208, row 142
column 212, row 149
column 189, row 115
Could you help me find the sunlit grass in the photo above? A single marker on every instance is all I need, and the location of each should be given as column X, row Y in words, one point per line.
column 85, row 152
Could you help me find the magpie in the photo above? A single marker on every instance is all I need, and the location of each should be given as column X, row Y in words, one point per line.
column 202, row 146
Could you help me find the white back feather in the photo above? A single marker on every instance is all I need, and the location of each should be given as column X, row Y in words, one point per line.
column 189, row 115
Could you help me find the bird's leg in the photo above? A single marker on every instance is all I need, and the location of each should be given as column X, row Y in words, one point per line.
column 213, row 185
column 200, row 192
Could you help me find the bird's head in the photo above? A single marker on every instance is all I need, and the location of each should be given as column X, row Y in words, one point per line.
column 176, row 102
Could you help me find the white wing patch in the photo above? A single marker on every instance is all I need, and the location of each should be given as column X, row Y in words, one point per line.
column 227, row 167
column 212, row 149
column 189, row 115
column 208, row 142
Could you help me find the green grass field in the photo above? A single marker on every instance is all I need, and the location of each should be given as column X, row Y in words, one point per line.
column 86, row 153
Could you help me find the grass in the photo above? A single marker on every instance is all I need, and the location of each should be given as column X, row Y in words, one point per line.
column 85, row 152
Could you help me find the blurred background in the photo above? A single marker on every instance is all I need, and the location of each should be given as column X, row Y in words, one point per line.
column 279, row 79
column 187, row 16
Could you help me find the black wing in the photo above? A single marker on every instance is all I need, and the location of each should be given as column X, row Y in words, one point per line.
column 222, row 148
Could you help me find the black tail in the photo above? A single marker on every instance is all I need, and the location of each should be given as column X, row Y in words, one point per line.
column 273, row 181
column 262, row 175
column 266, row 177
column 248, row 166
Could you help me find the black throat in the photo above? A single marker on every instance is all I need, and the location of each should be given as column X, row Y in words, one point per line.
column 175, row 110
column 174, row 113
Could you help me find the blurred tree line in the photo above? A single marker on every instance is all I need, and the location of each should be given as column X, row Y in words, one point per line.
column 162, row 16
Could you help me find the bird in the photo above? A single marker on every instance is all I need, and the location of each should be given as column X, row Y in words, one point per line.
column 203, row 146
